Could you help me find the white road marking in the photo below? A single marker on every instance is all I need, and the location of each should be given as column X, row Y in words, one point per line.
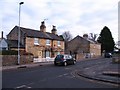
column 21, row 86
column 87, row 68
column 60, row 75
column 65, row 74
column 29, row 87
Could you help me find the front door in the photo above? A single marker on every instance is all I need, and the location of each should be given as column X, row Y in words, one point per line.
column 47, row 54
column 40, row 54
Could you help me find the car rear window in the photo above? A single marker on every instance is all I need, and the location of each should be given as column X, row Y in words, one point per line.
column 59, row 56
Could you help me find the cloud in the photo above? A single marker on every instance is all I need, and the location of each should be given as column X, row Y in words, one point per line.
column 76, row 16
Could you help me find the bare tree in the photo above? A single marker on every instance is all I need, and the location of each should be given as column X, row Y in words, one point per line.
column 93, row 36
column 67, row 36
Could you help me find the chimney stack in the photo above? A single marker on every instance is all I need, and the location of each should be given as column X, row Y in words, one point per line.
column 85, row 36
column 43, row 27
column 2, row 34
column 54, row 30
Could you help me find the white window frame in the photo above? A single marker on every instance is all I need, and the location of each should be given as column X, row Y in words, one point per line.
column 47, row 54
column 59, row 43
column 36, row 41
column 47, row 42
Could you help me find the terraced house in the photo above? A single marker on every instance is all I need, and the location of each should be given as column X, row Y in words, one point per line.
column 40, row 43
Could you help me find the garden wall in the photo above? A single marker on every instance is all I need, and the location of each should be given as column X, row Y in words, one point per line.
column 13, row 59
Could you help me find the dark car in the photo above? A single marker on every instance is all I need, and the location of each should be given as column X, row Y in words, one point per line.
column 108, row 55
column 64, row 60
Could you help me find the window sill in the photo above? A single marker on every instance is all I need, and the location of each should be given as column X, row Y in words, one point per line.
column 36, row 44
column 48, row 44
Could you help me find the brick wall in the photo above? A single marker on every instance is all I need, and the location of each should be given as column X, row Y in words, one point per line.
column 78, row 45
column 83, row 48
column 95, row 49
column 13, row 35
column 55, row 44
column 35, row 49
column 12, row 59
column 31, row 48
column 80, row 56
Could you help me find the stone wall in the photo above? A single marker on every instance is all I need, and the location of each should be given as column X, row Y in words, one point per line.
column 80, row 56
column 12, row 59
column 78, row 45
column 95, row 49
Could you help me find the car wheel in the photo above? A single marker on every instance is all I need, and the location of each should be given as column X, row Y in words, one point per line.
column 65, row 63
column 55, row 64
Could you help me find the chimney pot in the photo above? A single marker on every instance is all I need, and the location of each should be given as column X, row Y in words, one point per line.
column 43, row 27
column 2, row 34
column 85, row 36
column 54, row 30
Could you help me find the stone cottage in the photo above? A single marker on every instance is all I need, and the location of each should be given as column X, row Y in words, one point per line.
column 40, row 43
column 83, row 47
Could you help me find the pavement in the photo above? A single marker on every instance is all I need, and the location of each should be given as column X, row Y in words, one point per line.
column 26, row 65
column 110, row 73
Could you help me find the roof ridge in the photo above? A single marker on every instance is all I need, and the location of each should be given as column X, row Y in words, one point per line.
column 39, row 34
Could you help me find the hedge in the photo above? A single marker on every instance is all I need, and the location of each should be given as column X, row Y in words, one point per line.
column 13, row 52
column 8, row 52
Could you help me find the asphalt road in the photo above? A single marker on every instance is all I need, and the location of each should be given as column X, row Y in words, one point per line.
column 51, row 76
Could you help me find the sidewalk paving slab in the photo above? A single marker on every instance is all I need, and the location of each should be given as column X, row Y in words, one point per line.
column 110, row 74
column 26, row 65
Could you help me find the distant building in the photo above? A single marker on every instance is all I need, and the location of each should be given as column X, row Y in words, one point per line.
column 119, row 44
column 41, row 44
column 82, row 47
column 3, row 43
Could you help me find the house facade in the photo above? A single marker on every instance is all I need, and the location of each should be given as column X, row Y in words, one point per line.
column 82, row 47
column 40, row 43
column 119, row 44
column 3, row 43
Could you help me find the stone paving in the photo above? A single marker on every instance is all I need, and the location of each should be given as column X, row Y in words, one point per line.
column 108, row 73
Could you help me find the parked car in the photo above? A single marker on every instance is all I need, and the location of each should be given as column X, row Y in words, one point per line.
column 64, row 60
column 108, row 55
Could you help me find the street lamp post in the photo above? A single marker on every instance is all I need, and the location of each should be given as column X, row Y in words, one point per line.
column 19, row 33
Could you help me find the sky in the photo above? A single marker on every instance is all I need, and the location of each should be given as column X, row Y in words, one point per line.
column 76, row 16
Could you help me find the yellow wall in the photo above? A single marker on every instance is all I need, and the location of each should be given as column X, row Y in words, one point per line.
column 37, row 50
column 95, row 49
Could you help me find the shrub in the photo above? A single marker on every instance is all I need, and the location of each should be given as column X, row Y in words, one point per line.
column 13, row 52
column 8, row 52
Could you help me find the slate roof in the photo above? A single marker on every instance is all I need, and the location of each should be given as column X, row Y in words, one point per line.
column 12, row 43
column 2, row 39
column 89, row 40
column 39, row 34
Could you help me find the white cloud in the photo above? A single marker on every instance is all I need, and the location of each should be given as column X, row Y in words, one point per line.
column 77, row 16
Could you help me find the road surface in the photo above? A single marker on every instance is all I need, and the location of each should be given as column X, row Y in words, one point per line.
column 50, row 76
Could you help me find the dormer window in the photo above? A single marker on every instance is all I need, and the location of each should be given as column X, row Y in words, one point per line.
column 59, row 43
column 47, row 42
column 36, row 41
